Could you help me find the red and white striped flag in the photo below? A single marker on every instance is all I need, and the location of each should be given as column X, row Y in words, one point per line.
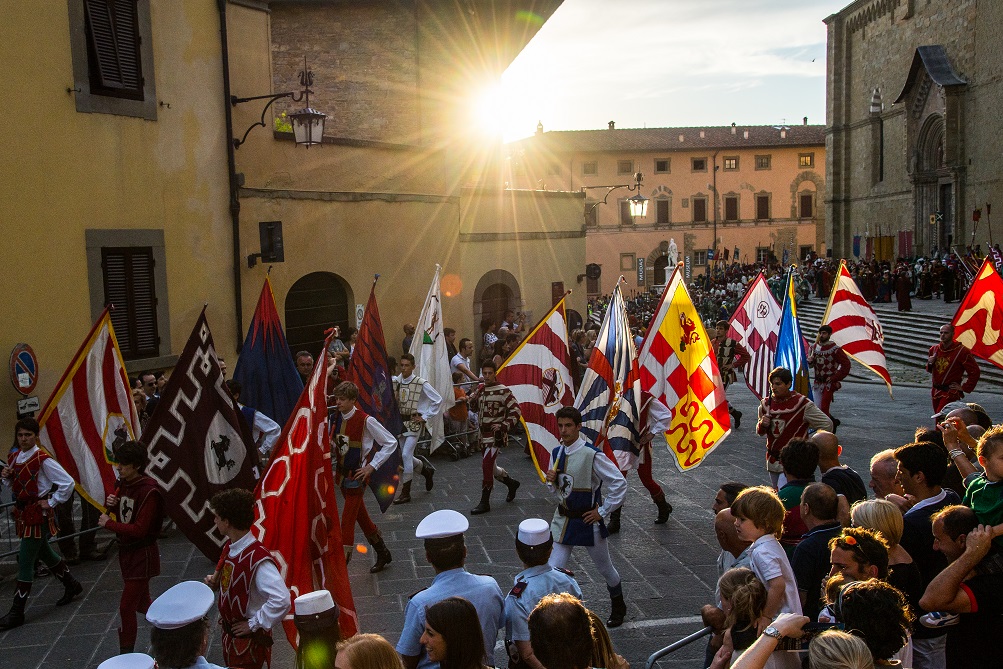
column 756, row 326
column 538, row 374
column 90, row 412
column 855, row 326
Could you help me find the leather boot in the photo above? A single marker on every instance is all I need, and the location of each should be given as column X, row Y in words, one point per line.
column 15, row 617
column 348, row 554
column 512, row 486
column 618, row 610
column 427, row 470
column 738, row 417
column 405, row 495
column 613, row 526
column 383, row 556
column 485, row 504
column 71, row 586
column 664, row 509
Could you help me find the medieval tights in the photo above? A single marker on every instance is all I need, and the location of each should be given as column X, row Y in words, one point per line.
column 355, row 511
column 32, row 549
column 488, row 467
column 644, row 473
column 599, row 552
column 412, row 466
column 135, row 599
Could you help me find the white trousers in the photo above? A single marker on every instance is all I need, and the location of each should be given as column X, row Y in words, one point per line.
column 598, row 551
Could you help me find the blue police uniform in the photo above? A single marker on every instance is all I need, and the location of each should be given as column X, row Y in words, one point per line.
column 532, row 585
column 481, row 591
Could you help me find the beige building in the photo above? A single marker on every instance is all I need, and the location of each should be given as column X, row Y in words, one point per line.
column 758, row 189
column 914, row 130
column 123, row 193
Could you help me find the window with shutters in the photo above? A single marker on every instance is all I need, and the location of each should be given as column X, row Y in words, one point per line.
column 129, row 287
column 662, row 210
column 113, row 57
column 762, row 207
column 111, row 45
column 699, row 210
column 807, row 205
column 625, row 217
column 731, row 207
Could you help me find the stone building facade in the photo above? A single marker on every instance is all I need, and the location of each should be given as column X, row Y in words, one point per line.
column 914, row 130
column 759, row 188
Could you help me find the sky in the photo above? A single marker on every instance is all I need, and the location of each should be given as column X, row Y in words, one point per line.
column 659, row 63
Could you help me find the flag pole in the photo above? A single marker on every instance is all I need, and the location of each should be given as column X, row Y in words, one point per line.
column 536, row 327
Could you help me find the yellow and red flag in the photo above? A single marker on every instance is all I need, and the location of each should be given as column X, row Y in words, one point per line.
column 978, row 324
column 678, row 367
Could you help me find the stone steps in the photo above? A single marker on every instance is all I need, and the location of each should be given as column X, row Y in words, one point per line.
column 908, row 337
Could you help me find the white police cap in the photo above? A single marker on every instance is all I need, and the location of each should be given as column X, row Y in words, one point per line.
column 441, row 524
column 128, row 661
column 182, row 604
column 313, row 603
column 534, row 531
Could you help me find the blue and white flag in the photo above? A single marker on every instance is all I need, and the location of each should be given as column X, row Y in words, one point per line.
column 610, row 393
column 791, row 351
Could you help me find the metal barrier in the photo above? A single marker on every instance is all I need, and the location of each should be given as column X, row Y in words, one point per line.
column 671, row 648
column 10, row 542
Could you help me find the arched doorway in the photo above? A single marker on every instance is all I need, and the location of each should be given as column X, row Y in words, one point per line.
column 496, row 300
column 315, row 303
column 661, row 262
column 497, row 291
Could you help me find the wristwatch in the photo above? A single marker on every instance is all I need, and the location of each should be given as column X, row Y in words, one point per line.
column 773, row 632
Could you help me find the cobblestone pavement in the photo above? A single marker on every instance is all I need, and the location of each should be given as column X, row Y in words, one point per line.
column 668, row 571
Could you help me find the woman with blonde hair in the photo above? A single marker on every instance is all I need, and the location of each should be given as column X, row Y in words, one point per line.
column 885, row 518
column 603, row 655
column 833, row 649
column 367, row 651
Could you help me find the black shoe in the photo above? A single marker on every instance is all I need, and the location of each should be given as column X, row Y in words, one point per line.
column 71, row 588
column 664, row 509
column 383, row 556
column 91, row 556
column 41, row 571
column 15, row 617
column 405, row 495
column 738, row 418
column 835, row 424
column 512, row 486
column 428, row 471
column 485, row 504
column 617, row 612
column 613, row 527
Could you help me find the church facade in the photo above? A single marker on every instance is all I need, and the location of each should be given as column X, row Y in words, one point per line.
column 913, row 138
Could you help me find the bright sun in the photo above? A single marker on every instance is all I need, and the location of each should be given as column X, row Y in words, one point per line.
column 510, row 108
column 491, row 110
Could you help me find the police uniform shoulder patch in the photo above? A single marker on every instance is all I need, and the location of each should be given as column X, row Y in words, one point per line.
column 518, row 589
column 565, row 571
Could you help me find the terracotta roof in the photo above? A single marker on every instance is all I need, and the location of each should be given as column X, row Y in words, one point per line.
column 667, row 139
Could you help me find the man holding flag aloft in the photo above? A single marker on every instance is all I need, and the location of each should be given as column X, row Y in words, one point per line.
column 356, row 434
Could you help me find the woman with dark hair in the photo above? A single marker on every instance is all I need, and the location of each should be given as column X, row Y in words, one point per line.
column 453, row 636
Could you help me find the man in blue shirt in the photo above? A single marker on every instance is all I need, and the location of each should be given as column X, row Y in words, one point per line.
column 534, row 544
column 446, row 551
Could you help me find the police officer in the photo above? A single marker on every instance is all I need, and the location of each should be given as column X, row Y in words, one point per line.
column 533, row 544
column 442, row 532
column 180, row 619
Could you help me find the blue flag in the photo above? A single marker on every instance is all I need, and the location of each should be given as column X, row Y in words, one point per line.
column 791, row 352
column 265, row 369
column 369, row 370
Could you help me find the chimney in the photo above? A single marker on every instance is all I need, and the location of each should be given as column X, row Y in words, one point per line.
column 702, row 136
column 681, row 137
column 806, row 120
column 745, row 133
column 783, row 133
column 539, row 127
column 733, row 129
column 612, row 125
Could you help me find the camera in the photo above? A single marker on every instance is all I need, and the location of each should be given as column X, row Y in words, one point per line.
column 811, row 630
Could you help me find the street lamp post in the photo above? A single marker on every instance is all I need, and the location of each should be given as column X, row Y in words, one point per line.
column 638, row 204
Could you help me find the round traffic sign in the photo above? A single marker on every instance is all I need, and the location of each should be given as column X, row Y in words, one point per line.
column 23, row 369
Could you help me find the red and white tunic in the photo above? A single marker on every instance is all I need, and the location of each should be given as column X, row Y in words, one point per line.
column 789, row 419
column 830, row 363
column 250, row 586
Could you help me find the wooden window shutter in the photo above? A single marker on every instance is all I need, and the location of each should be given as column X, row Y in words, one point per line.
column 129, row 286
column 113, row 48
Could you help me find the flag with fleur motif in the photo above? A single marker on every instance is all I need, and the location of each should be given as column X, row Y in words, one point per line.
column 756, row 326
column 677, row 366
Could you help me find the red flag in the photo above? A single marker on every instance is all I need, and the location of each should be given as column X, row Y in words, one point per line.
column 296, row 512
column 855, row 326
column 756, row 326
column 90, row 412
column 979, row 319
column 538, row 374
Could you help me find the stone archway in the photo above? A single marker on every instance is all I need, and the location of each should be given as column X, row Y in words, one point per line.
column 497, row 291
column 316, row 302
